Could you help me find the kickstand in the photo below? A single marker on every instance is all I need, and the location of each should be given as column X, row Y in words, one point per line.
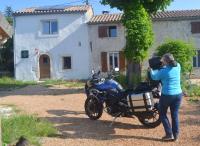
column 114, row 119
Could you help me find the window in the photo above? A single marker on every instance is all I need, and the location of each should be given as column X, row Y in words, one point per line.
column 45, row 60
column 24, row 54
column 113, row 60
column 195, row 27
column 50, row 27
column 107, row 31
column 196, row 59
column 67, row 63
column 112, row 31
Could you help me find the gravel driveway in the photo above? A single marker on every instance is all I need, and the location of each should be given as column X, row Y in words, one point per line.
column 65, row 108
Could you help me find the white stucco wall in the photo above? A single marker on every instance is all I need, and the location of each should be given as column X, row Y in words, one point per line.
column 73, row 30
column 107, row 44
column 163, row 30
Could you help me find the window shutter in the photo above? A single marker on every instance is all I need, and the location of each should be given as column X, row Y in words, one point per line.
column 103, row 31
column 104, row 66
column 122, row 62
column 195, row 27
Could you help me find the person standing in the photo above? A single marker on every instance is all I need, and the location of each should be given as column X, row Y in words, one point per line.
column 171, row 95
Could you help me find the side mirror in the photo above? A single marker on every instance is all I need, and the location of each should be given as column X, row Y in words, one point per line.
column 117, row 69
column 92, row 71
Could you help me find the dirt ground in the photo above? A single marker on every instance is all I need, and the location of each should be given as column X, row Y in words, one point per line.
column 65, row 109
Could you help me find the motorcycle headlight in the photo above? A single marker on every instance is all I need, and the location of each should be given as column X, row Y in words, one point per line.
column 89, row 84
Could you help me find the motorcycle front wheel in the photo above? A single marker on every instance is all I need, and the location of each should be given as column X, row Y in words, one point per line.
column 93, row 108
column 151, row 120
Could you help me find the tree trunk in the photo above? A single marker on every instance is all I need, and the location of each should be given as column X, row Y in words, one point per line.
column 133, row 74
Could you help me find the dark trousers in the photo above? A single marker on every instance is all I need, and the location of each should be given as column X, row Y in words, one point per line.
column 172, row 101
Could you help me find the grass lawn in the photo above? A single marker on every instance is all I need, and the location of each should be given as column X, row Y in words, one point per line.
column 7, row 83
column 68, row 84
column 27, row 126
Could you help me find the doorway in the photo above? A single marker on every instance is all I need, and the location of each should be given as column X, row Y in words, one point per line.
column 44, row 63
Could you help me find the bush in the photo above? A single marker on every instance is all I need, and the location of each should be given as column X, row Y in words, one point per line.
column 122, row 80
column 182, row 52
column 191, row 90
column 25, row 125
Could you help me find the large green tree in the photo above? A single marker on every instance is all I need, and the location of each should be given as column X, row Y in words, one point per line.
column 139, row 35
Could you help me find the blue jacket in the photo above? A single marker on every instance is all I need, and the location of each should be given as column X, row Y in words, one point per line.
column 170, row 78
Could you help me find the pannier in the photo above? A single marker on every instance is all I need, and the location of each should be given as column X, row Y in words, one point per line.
column 140, row 102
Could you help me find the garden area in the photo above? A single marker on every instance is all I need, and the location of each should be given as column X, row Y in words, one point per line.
column 48, row 118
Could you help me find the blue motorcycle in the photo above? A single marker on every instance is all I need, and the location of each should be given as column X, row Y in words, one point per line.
column 106, row 94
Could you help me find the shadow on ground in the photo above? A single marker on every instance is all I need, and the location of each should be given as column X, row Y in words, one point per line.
column 41, row 90
column 80, row 127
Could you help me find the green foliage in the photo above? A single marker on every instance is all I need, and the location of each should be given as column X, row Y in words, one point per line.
column 7, row 83
column 192, row 90
column 7, row 56
column 69, row 84
column 122, row 80
column 9, row 14
column 25, row 125
column 182, row 51
column 151, row 6
column 139, row 35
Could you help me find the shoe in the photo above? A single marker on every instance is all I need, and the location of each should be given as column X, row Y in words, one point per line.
column 175, row 139
column 168, row 138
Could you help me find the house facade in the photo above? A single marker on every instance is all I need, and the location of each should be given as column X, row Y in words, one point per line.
column 51, row 42
column 108, row 36
column 67, row 43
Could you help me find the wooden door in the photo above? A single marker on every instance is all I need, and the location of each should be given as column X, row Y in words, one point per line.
column 44, row 66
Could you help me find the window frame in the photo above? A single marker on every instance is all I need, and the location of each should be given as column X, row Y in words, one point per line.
column 113, row 59
column 63, row 68
column 107, row 33
column 197, row 58
column 27, row 56
column 195, row 27
column 50, row 21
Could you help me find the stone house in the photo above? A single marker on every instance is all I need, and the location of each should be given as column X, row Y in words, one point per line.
column 52, row 42
column 107, row 36
column 68, row 42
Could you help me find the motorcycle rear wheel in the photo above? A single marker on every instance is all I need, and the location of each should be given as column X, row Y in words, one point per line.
column 93, row 108
column 152, row 121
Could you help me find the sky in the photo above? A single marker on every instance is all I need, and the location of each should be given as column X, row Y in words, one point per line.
column 98, row 8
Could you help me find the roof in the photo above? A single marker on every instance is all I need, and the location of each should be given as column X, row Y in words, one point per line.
column 5, row 27
column 178, row 14
column 53, row 10
column 159, row 16
column 106, row 18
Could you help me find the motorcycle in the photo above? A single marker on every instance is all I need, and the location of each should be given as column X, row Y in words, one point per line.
column 106, row 94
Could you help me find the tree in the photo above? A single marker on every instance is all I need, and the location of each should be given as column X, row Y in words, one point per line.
column 9, row 14
column 139, row 34
column 6, row 52
column 182, row 51
column 7, row 56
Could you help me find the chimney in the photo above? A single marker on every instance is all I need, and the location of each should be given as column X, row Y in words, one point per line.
column 105, row 12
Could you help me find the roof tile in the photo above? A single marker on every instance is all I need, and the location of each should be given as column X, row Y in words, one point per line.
column 65, row 9
column 164, row 15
